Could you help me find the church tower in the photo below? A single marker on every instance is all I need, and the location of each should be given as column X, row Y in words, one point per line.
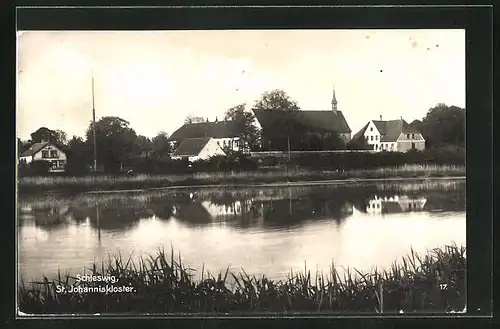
column 334, row 102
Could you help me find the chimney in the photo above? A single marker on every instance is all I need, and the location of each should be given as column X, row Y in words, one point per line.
column 381, row 117
column 216, row 120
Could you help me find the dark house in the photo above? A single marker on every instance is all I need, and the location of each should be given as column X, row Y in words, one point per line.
column 276, row 124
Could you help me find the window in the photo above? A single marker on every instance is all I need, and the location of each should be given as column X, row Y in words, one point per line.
column 392, row 146
column 376, row 137
column 53, row 154
column 408, row 136
column 412, row 136
column 371, row 138
column 45, row 154
column 61, row 163
column 371, row 128
column 412, row 145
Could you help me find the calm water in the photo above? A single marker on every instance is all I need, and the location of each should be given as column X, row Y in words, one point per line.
column 265, row 230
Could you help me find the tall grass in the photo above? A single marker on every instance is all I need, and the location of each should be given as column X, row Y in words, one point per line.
column 434, row 282
column 34, row 184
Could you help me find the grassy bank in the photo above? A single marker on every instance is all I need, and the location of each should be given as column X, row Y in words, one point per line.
column 434, row 282
column 88, row 183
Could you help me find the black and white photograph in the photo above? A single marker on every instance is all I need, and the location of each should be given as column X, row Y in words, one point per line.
column 241, row 171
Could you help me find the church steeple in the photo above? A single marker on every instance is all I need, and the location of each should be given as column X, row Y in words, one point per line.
column 334, row 102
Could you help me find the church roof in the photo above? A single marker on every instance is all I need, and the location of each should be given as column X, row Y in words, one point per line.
column 313, row 121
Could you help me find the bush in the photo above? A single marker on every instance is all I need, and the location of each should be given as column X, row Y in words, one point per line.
column 344, row 161
column 35, row 168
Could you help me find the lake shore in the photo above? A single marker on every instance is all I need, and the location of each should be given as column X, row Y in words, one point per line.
column 68, row 184
column 434, row 282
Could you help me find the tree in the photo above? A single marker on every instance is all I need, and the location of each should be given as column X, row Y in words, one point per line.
column 332, row 141
column 192, row 119
column 250, row 136
column 276, row 100
column 161, row 145
column 358, row 143
column 143, row 146
column 79, row 154
column 443, row 126
column 22, row 146
column 115, row 142
column 46, row 134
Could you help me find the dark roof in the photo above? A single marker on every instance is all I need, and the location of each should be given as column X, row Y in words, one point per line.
column 389, row 130
column 360, row 134
column 33, row 149
column 391, row 207
column 191, row 146
column 221, row 129
column 325, row 121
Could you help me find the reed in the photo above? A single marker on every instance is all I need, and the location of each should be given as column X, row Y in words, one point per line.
column 86, row 183
column 434, row 282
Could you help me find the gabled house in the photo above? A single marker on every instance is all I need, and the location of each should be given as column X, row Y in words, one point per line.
column 195, row 149
column 321, row 122
column 391, row 135
column 225, row 133
column 45, row 151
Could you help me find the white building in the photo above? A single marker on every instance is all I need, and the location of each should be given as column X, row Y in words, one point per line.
column 395, row 204
column 225, row 133
column 195, row 149
column 45, row 151
column 392, row 135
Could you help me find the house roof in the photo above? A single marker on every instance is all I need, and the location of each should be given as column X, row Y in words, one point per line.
column 389, row 130
column 324, row 121
column 191, row 146
column 33, row 149
column 360, row 133
column 391, row 207
column 221, row 129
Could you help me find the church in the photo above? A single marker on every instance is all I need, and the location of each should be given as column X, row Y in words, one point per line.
column 300, row 124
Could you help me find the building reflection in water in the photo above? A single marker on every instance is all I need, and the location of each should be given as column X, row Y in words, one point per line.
column 395, row 204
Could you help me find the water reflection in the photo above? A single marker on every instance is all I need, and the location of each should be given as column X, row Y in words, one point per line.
column 254, row 227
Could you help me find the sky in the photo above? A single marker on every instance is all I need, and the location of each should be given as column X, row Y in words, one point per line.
column 154, row 79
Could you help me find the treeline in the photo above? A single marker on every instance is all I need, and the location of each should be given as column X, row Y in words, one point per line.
column 120, row 149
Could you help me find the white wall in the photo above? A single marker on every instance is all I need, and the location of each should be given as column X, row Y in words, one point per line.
column 209, row 150
column 372, row 136
column 231, row 142
column 407, row 141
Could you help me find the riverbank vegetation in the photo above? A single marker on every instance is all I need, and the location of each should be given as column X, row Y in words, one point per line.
column 142, row 181
column 434, row 282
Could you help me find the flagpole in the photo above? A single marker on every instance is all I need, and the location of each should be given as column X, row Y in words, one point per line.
column 93, row 123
